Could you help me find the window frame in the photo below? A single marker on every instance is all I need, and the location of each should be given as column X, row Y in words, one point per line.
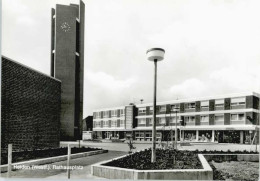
column 204, row 120
column 143, row 121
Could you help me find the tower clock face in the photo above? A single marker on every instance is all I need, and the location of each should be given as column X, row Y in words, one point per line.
column 65, row 27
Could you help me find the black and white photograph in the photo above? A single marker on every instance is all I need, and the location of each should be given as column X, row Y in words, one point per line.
column 130, row 89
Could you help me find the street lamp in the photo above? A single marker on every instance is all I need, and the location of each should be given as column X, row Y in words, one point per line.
column 154, row 54
column 176, row 133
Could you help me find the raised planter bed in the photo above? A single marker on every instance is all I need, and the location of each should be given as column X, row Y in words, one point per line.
column 112, row 169
column 164, row 160
column 235, row 170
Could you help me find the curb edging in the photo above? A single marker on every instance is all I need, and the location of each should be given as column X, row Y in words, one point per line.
column 43, row 161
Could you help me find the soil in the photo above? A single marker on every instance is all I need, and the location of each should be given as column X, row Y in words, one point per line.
column 165, row 159
column 236, row 170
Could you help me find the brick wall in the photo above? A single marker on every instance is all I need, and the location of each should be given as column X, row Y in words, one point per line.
column 30, row 108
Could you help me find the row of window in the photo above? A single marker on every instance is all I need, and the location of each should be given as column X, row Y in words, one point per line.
column 204, row 105
column 190, row 119
column 160, row 120
column 218, row 117
column 106, row 123
column 108, row 114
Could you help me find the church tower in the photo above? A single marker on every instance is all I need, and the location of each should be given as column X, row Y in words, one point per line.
column 67, row 65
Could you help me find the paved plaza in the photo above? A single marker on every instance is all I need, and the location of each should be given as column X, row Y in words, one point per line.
column 115, row 150
column 86, row 162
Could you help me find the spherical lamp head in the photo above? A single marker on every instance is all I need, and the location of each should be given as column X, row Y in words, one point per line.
column 176, row 109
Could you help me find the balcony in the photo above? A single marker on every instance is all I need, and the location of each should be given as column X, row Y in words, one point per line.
column 106, row 126
column 113, row 125
column 141, row 113
column 219, row 122
column 189, row 110
column 242, row 106
column 204, row 109
column 141, row 124
column 162, row 112
column 190, row 123
column 237, row 122
column 173, row 124
column 219, row 108
column 204, row 123
column 190, row 107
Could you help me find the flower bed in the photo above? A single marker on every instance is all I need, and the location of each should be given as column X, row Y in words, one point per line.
column 45, row 153
column 164, row 160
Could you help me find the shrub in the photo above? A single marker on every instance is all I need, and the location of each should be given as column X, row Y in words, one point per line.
column 164, row 160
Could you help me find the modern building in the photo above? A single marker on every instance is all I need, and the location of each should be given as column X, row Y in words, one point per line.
column 114, row 123
column 226, row 119
column 87, row 129
column 30, row 101
column 87, row 124
column 67, row 64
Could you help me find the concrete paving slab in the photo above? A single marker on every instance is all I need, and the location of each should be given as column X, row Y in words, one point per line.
column 83, row 173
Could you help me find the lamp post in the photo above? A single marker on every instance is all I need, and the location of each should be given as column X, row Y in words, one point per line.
column 171, row 128
column 154, row 54
column 176, row 133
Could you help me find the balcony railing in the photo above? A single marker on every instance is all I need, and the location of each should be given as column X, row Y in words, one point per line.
column 190, row 123
column 141, row 113
column 238, row 106
column 219, row 108
column 141, row 124
column 237, row 122
column 204, row 123
column 204, row 109
column 173, row 124
column 219, row 122
column 189, row 109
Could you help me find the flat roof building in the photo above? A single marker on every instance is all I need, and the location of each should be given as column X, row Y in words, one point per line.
column 226, row 118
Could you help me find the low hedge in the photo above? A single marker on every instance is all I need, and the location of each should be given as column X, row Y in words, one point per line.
column 225, row 152
column 43, row 153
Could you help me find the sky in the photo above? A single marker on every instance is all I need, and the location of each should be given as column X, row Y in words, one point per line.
column 212, row 47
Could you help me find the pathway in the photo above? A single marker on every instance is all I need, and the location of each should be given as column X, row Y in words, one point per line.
column 84, row 173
